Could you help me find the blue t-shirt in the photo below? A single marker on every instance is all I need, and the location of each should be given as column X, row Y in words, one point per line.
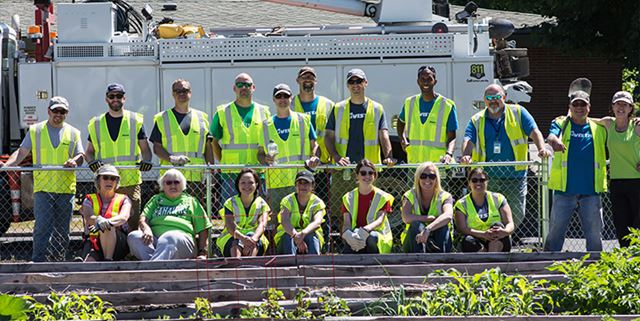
column 494, row 131
column 310, row 108
column 282, row 127
column 580, row 176
column 425, row 109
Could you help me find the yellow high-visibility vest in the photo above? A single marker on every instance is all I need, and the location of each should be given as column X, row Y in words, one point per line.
column 514, row 130
column 558, row 178
column 428, row 141
column 239, row 143
column 435, row 208
column 124, row 150
column 112, row 210
column 62, row 182
column 314, row 206
column 190, row 145
column 295, row 150
column 245, row 222
column 465, row 205
column 350, row 202
column 322, row 112
column 370, row 127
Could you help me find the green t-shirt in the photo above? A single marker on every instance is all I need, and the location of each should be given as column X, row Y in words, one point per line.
column 183, row 214
column 245, row 113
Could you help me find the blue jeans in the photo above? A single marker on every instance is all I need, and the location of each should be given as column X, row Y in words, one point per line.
column 439, row 240
column 590, row 213
column 287, row 246
column 51, row 231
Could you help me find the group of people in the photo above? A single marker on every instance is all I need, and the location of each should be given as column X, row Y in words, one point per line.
column 309, row 129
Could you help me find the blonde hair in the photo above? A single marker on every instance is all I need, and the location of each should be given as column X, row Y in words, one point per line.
column 416, row 182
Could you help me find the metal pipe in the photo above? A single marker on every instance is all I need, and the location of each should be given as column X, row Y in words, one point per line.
column 351, row 7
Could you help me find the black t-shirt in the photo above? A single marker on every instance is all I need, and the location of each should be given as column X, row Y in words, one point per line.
column 183, row 119
column 113, row 125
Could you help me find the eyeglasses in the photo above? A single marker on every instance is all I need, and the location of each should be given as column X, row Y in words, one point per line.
column 114, row 96
column 59, row 111
column 280, row 96
column 356, row 81
column 109, row 177
column 429, row 176
column 182, row 91
column 241, row 84
column 493, row 97
column 367, row 173
column 579, row 103
column 478, row 180
column 307, row 78
column 172, row 182
column 303, row 182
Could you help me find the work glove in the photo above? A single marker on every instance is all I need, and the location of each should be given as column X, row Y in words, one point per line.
column 102, row 224
column 178, row 159
column 145, row 166
column 348, row 237
column 361, row 237
column 95, row 165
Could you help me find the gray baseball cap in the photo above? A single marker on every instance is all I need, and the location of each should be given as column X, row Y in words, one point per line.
column 580, row 95
column 622, row 96
column 58, row 102
column 355, row 72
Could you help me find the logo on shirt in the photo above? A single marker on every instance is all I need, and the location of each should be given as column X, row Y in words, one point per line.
column 357, row 116
column 180, row 210
column 581, row 135
column 425, row 115
column 282, row 131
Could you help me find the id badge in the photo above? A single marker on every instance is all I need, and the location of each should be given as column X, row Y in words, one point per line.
column 497, row 147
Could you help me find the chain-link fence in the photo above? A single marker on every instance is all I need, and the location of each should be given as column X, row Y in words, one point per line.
column 527, row 196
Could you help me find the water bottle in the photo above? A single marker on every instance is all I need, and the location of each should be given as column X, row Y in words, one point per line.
column 272, row 150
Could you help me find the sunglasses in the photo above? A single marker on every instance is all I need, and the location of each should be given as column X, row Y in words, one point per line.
column 579, row 103
column 356, row 81
column 367, row 173
column 109, row 177
column 114, row 96
column 280, row 96
column 478, row 180
column 172, row 182
column 492, row 97
column 241, row 84
column 59, row 111
column 429, row 176
column 182, row 91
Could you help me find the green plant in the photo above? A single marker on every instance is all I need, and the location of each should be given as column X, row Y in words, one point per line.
column 13, row 307
column 271, row 308
column 72, row 306
column 204, row 310
column 333, row 306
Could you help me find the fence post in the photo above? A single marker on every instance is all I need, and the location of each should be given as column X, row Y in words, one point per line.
column 545, row 199
column 207, row 190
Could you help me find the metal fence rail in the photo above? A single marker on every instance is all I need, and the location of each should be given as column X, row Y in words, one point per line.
column 17, row 219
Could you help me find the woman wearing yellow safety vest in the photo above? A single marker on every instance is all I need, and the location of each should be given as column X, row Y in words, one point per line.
column 483, row 217
column 301, row 216
column 366, row 228
column 105, row 215
column 427, row 211
column 245, row 217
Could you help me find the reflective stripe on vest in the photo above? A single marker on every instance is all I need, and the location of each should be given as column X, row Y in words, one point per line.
column 290, row 150
column 350, row 201
column 112, row 210
column 514, row 130
column 465, row 205
column 428, row 141
column 63, row 182
column 314, row 205
column 238, row 142
column 245, row 222
column 322, row 110
column 369, row 127
column 435, row 207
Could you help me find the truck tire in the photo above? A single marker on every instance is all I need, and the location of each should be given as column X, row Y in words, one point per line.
column 5, row 204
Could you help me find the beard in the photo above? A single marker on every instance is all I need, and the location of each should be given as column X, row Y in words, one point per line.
column 117, row 106
column 308, row 87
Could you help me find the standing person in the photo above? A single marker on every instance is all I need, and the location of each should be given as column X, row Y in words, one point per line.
column 170, row 222
column 111, row 140
column 578, row 174
column 245, row 218
column 105, row 215
column 500, row 133
column 236, row 129
column 483, row 217
column 430, row 122
column 301, row 217
column 356, row 129
column 623, row 142
column 52, row 143
column 366, row 228
column 295, row 137
column 179, row 137
column 427, row 211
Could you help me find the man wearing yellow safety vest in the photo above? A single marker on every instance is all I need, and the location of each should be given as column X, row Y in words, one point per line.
column 356, row 129
column 52, row 143
column 427, row 123
column 118, row 137
column 236, row 129
column 179, row 136
column 578, row 174
column 500, row 133
column 295, row 137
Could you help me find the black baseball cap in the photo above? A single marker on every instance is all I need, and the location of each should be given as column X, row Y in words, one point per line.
column 305, row 175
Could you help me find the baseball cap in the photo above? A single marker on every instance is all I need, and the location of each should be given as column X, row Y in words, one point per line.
column 107, row 169
column 356, row 73
column 305, row 175
column 281, row 88
column 115, row 87
column 622, row 96
column 432, row 69
column 307, row 69
column 579, row 95
column 58, row 102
